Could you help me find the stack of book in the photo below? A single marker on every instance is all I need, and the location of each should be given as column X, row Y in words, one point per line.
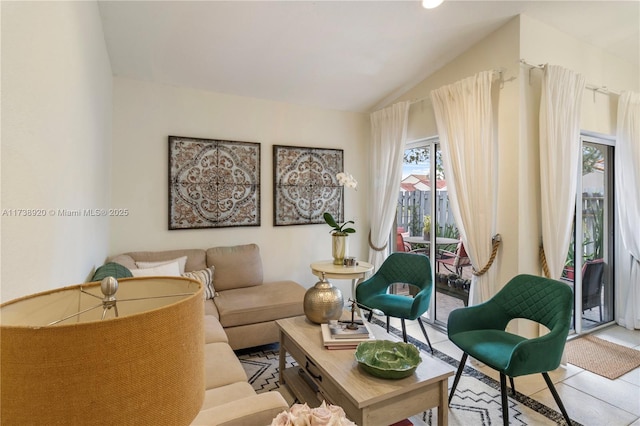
column 339, row 336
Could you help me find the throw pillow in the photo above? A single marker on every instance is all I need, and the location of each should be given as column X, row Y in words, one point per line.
column 205, row 277
column 182, row 261
column 111, row 269
column 167, row 270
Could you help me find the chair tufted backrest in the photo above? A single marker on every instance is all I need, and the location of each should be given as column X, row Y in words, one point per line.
column 543, row 300
column 406, row 268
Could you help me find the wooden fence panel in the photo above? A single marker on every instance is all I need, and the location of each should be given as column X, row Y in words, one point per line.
column 414, row 205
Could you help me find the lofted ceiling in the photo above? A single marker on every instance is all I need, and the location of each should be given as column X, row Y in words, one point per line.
column 344, row 55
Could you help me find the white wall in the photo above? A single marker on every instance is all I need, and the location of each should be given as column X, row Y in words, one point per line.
column 56, row 132
column 499, row 50
column 543, row 44
column 145, row 114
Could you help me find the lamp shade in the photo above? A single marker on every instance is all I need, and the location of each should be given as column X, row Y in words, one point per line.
column 145, row 366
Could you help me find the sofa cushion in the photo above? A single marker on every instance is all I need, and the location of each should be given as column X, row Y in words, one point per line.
column 221, row 366
column 251, row 410
column 124, row 260
column 227, row 393
column 237, row 266
column 251, row 335
column 250, row 305
column 196, row 258
column 213, row 331
column 211, row 309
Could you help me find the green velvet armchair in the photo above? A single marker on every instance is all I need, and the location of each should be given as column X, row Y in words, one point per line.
column 480, row 332
column 399, row 268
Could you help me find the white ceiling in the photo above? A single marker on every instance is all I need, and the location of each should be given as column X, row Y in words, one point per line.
column 345, row 55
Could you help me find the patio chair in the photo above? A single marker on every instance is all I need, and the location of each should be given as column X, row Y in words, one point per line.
column 592, row 272
column 453, row 261
column 480, row 332
column 398, row 268
column 401, row 244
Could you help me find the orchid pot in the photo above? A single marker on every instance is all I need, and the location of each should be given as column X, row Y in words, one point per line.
column 339, row 242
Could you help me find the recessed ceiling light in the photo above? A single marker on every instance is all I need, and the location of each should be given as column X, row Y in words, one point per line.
column 430, row 4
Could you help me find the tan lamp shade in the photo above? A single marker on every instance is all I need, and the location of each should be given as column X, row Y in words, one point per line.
column 145, row 367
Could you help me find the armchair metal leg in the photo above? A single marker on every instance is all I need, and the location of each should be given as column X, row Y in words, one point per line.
column 505, row 402
column 404, row 330
column 425, row 334
column 387, row 323
column 556, row 397
column 370, row 316
column 513, row 386
column 463, row 360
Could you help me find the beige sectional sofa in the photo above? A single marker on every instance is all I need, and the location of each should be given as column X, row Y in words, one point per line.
column 242, row 314
column 246, row 306
column 229, row 399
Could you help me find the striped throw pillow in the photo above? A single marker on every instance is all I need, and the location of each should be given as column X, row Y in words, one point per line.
column 204, row 276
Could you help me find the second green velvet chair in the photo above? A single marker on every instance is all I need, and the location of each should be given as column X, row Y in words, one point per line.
column 480, row 332
column 399, row 268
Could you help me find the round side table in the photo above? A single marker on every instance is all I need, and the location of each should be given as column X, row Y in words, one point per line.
column 340, row 272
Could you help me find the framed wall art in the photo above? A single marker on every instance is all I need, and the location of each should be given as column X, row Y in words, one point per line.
column 213, row 183
column 305, row 185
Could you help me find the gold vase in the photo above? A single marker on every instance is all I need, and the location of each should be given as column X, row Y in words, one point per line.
column 323, row 302
column 338, row 248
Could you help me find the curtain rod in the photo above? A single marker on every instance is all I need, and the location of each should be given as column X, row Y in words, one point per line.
column 600, row 89
column 499, row 71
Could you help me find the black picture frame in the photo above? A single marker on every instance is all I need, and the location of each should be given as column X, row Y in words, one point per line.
column 305, row 185
column 213, row 183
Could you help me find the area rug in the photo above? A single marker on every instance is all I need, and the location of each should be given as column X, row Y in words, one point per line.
column 604, row 358
column 476, row 401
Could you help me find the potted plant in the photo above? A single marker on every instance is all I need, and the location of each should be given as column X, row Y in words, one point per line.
column 568, row 270
column 451, row 280
column 340, row 231
column 426, row 229
column 339, row 234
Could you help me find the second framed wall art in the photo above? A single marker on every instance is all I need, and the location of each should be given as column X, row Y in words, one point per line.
column 305, row 185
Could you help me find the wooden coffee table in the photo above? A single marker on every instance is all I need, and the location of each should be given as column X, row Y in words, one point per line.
column 334, row 375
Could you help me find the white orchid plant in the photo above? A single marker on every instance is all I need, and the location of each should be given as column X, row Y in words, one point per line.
column 348, row 181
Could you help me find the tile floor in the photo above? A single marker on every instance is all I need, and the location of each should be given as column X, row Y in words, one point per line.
column 589, row 399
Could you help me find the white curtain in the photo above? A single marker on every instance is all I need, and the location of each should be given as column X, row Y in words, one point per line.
column 627, row 173
column 388, row 133
column 560, row 154
column 466, row 126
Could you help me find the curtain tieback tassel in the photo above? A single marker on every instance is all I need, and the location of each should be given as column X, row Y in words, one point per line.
column 374, row 247
column 495, row 242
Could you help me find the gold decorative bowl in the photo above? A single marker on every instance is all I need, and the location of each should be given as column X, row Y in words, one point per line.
column 387, row 359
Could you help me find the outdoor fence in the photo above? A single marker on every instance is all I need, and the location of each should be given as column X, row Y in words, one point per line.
column 592, row 225
column 415, row 205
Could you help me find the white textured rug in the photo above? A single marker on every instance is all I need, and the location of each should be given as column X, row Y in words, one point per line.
column 476, row 401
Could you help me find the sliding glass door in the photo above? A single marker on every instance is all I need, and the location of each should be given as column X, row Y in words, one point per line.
column 425, row 225
column 589, row 264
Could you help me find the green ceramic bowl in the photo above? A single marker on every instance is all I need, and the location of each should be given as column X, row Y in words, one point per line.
column 387, row 359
